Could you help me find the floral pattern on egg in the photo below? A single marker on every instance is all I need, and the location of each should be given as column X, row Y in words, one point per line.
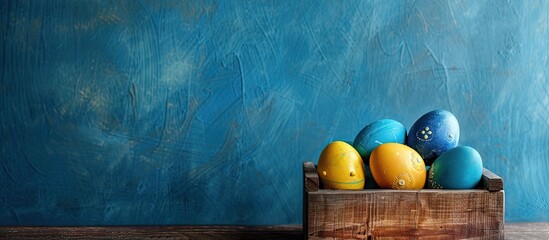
column 402, row 181
column 424, row 134
column 417, row 162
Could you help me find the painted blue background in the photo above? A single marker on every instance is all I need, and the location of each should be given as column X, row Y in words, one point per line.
column 201, row 112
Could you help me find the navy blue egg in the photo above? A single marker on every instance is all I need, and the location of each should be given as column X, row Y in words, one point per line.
column 377, row 133
column 459, row 168
column 433, row 134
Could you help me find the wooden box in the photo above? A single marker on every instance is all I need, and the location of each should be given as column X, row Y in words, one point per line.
column 403, row 214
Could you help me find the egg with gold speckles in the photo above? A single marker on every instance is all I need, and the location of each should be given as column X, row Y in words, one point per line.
column 397, row 166
column 340, row 167
column 433, row 134
column 459, row 168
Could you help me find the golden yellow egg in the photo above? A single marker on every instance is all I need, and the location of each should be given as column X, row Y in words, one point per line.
column 397, row 166
column 340, row 167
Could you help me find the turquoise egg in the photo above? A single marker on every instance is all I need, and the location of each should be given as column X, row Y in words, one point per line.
column 377, row 133
column 370, row 182
column 458, row 168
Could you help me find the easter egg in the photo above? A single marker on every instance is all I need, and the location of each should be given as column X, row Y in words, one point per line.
column 370, row 182
column 341, row 167
column 458, row 168
column 376, row 133
column 433, row 134
column 397, row 166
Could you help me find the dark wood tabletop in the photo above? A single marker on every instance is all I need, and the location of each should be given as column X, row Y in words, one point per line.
column 535, row 230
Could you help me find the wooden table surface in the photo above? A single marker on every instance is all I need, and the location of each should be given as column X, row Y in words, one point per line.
column 512, row 231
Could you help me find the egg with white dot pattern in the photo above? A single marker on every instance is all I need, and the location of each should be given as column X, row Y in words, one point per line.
column 433, row 134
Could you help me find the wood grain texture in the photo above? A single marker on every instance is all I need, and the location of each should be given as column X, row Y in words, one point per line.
column 491, row 181
column 154, row 232
column 527, row 230
column 380, row 214
column 535, row 230
column 311, row 179
column 404, row 214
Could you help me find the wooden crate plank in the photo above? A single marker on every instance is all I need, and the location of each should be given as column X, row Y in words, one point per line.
column 475, row 207
column 354, row 214
column 514, row 230
column 311, row 180
column 491, row 181
column 462, row 214
column 210, row 232
column 409, row 214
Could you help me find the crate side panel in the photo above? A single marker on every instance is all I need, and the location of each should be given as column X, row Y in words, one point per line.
column 405, row 215
column 463, row 214
column 361, row 215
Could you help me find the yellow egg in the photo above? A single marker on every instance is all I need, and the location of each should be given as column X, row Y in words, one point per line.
column 340, row 167
column 397, row 166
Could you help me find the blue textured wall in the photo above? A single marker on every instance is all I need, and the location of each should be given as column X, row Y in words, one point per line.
column 201, row 112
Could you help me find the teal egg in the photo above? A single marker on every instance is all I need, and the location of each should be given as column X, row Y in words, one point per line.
column 370, row 182
column 377, row 133
column 458, row 168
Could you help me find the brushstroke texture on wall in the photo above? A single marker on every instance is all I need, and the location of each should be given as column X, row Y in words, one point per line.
column 201, row 112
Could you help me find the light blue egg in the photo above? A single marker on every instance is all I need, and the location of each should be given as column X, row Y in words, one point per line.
column 458, row 168
column 377, row 133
